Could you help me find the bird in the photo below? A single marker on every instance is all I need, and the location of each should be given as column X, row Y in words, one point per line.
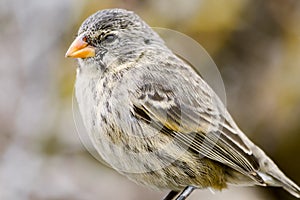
column 153, row 118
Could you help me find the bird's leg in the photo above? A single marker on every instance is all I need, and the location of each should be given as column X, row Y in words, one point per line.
column 182, row 196
column 185, row 193
column 171, row 195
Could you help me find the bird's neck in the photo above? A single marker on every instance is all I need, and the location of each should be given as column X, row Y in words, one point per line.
column 89, row 70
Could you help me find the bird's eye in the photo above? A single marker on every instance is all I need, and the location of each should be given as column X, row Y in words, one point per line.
column 110, row 38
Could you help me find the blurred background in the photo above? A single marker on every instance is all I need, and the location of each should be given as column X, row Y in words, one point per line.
column 255, row 44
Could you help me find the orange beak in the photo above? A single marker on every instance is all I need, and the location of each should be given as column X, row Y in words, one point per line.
column 80, row 48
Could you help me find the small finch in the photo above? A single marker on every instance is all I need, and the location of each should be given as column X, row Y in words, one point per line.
column 152, row 118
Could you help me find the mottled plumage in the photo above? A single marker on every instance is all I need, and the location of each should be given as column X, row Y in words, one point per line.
column 152, row 117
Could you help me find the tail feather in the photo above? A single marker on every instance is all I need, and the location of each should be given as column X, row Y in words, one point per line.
column 273, row 176
column 292, row 189
column 277, row 179
column 287, row 184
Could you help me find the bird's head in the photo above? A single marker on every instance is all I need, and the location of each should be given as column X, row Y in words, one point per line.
column 112, row 35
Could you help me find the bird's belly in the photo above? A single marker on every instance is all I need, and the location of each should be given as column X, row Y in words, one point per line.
column 169, row 166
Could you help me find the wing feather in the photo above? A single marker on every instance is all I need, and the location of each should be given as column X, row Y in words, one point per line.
column 198, row 125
